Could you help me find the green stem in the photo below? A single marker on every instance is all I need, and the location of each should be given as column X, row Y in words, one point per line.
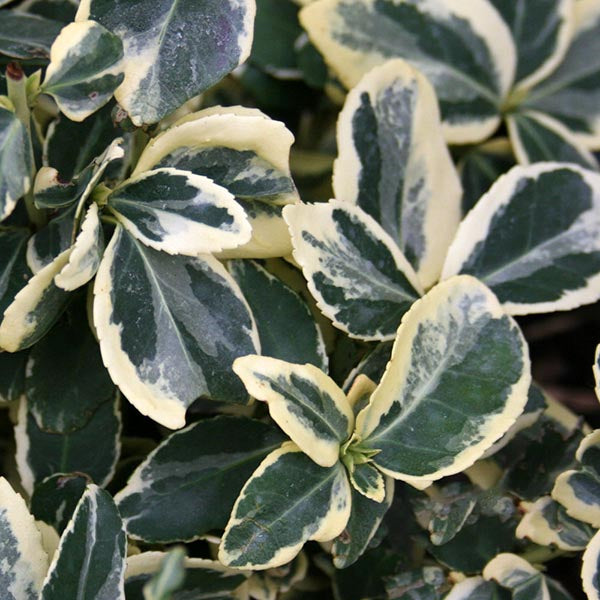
column 16, row 83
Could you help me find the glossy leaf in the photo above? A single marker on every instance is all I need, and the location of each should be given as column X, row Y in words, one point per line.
column 533, row 239
column 536, row 137
column 188, row 485
column 288, row 500
column 393, row 162
column 466, row 51
column 169, row 328
column 12, row 376
column 15, row 161
column 14, row 272
column 455, row 348
column 90, row 561
column 276, row 309
column 52, row 240
column 93, row 449
column 173, row 50
column 516, row 574
column 179, row 213
column 85, row 69
column 355, row 271
column 477, row 588
column 590, row 569
column 23, row 561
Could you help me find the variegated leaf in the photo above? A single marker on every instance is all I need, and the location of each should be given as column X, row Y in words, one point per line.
column 85, row 69
column 93, row 449
column 169, row 328
column 465, row 50
column 480, row 167
column 15, row 161
column 546, row 523
column 52, row 240
column 303, row 401
column 537, row 137
column 14, row 272
column 276, row 308
column 86, row 254
column 206, row 577
column 533, row 239
column 169, row 577
column 578, row 490
column 26, row 36
column 367, row 480
column 364, row 521
column 590, row 569
column 355, row 271
column 12, row 376
column 55, row 498
column 287, row 501
column 90, row 561
column 243, row 151
column 515, row 573
column 215, row 36
column 571, row 94
column 179, row 212
column 35, row 308
column 541, row 31
column 204, row 468
column 454, row 347
column 61, row 10
column 66, row 382
column 476, row 588
column 393, row 162
column 23, row 561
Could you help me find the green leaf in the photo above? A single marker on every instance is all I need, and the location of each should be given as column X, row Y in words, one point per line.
column 14, row 272
column 571, row 94
column 61, row 10
column 23, row 561
column 169, row 578
column 355, row 271
column 85, row 69
column 66, row 381
column 542, row 33
column 466, row 51
column 179, row 212
column 15, row 160
column 276, row 308
column 288, row 500
column 90, row 561
column 26, row 36
column 86, row 253
column 393, row 162
column 305, row 402
column 454, row 348
column 364, row 521
column 55, row 498
column 35, row 308
column 12, row 376
column 70, row 147
column 515, row 573
column 546, row 523
column 426, row 583
column 207, row 578
column 590, row 569
column 533, row 239
column 52, row 240
column 169, row 328
column 176, row 51
column 372, row 365
column 480, row 167
column 578, row 490
column 367, row 480
column 276, row 29
column 537, row 137
column 187, row 486
column 93, row 449
column 477, row 588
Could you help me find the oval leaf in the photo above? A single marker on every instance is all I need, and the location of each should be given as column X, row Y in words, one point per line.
column 303, row 401
column 355, row 271
column 465, row 50
column 180, row 213
column 457, row 380
column 393, row 162
column 590, row 569
column 533, row 239
column 169, row 328
column 288, row 500
column 203, row 467
column 34, row 38
column 14, row 272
